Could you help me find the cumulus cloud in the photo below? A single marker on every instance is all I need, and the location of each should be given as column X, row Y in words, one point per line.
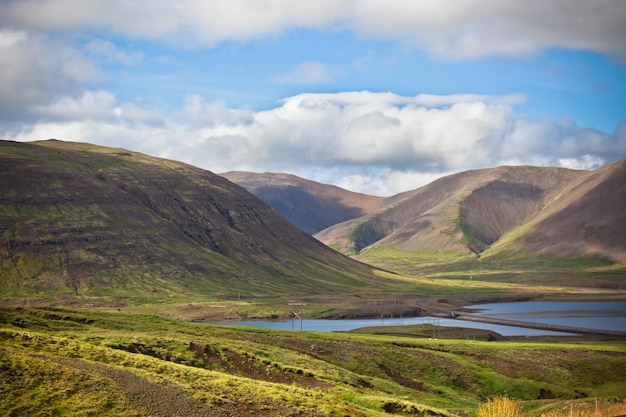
column 449, row 29
column 190, row 21
column 36, row 69
column 200, row 113
column 462, row 29
column 92, row 105
column 584, row 162
column 377, row 143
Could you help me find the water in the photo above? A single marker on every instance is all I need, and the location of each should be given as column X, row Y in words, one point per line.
column 346, row 325
column 593, row 315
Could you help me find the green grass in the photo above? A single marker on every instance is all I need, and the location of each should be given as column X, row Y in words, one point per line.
column 501, row 272
column 62, row 362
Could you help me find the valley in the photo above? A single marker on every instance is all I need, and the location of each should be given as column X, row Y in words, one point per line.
column 113, row 264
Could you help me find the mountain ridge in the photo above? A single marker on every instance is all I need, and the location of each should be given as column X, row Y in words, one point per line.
column 493, row 210
column 593, row 209
column 487, row 205
column 310, row 205
column 86, row 220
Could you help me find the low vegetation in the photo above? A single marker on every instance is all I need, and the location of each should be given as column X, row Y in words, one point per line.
column 64, row 362
column 500, row 406
column 505, row 272
column 503, row 406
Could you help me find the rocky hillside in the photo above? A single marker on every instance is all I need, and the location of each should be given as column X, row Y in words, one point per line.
column 309, row 205
column 85, row 220
column 537, row 209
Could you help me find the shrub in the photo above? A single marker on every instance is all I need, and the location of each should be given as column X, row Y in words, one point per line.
column 500, row 406
column 595, row 409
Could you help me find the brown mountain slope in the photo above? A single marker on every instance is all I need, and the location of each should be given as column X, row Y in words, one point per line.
column 478, row 210
column 309, row 205
column 87, row 220
column 588, row 218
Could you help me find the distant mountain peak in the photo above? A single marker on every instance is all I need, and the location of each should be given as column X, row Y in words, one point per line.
column 307, row 204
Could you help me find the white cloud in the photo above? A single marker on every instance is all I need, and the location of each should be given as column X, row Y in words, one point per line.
column 189, row 21
column 462, row 29
column 197, row 112
column 35, row 69
column 128, row 18
column 449, row 29
column 216, row 21
column 92, row 105
column 377, row 143
column 583, row 162
column 382, row 182
column 305, row 73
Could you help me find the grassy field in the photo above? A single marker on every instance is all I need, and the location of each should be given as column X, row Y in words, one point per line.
column 63, row 362
column 407, row 281
column 502, row 272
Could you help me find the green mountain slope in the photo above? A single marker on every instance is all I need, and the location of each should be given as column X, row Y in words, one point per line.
column 83, row 220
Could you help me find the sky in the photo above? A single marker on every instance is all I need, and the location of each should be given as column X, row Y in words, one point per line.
column 374, row 96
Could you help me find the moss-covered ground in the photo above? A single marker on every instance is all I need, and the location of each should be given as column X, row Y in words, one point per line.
column 65, row 362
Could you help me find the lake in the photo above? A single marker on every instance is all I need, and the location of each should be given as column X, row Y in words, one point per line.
column 593, row 315
column 321, row 325
column 602, row 315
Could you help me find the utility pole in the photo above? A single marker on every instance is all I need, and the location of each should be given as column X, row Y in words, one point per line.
column 295, row 314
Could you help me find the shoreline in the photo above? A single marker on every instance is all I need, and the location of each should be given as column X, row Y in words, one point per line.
column 443, row 309
column 539, row 326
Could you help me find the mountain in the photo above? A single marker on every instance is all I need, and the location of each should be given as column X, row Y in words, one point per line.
column 85, row 220
column 309, row 205
column 588, row 217
column 535, row 209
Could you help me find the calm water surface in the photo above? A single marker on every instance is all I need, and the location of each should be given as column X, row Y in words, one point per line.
column 594, row 315
column 346, row 325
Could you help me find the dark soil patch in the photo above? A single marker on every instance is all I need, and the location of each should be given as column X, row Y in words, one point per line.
column 79, row 320
column 251, row 367
column 402, row 380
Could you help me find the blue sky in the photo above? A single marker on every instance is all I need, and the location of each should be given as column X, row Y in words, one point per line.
column 374, row 96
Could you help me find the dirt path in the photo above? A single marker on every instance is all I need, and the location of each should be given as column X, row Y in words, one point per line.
column 156, row 400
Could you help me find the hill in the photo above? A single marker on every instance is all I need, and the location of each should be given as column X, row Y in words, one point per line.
column 309, row 205
column 589, row 218
column 83, row 220
column 63, row 362
column 536, row 209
